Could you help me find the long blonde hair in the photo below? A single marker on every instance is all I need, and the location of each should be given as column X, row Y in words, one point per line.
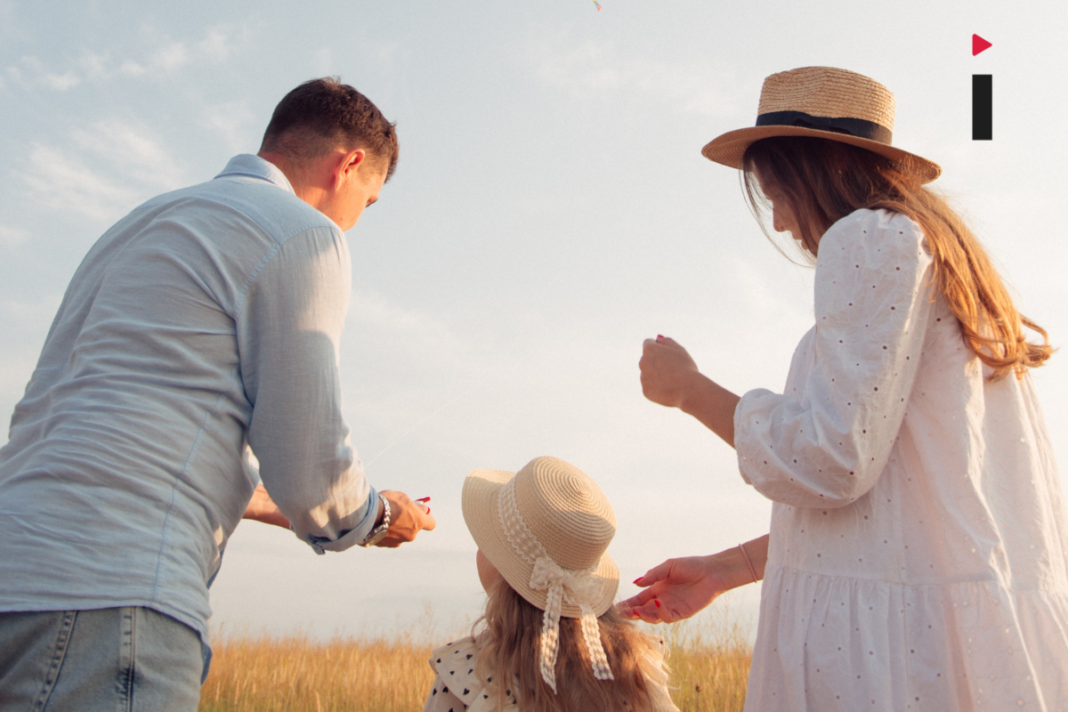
column 508, row 659
column 823, row 181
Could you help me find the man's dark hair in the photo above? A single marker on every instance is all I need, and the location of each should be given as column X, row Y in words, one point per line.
column 321, row 114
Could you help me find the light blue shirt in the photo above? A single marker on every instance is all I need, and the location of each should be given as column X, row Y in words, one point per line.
column 205, row 321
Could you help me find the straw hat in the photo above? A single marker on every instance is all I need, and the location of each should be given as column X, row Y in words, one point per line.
column 546, row 529
column 830, row 103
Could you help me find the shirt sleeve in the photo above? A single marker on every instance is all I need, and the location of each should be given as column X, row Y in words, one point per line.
column 825, row 442
column 289, row 330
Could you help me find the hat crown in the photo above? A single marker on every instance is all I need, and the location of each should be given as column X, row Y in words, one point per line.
column 565, row 511
column 828, row 92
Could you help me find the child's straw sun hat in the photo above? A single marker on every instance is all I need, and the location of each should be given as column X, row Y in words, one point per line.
column 826, row 102
column 546, row 529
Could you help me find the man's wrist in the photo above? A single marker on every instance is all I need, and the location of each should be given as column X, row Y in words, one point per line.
column 381, row 511
column 381, row 528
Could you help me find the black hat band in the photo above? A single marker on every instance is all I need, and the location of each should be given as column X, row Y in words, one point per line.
column 844, row 125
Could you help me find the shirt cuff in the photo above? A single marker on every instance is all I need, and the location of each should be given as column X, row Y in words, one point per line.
column 353, row 536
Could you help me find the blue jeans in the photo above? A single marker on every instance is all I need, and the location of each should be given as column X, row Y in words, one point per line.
column 131, row 659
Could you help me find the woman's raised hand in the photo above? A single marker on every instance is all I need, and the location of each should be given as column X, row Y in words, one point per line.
column 668, row 372
column 676, row 589
column 670, row 377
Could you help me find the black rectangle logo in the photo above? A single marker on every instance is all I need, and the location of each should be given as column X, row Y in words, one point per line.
column 982, row 107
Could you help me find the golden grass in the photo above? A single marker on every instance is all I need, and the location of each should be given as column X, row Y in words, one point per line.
column 294, row 674
column 709, row 663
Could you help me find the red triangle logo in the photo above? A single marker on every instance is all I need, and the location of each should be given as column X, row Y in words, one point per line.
column 979, row 45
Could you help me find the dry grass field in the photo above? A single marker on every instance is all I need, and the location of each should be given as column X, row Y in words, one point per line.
column 709, row 665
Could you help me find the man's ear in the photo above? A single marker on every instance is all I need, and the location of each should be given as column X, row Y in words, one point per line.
column 347, row 164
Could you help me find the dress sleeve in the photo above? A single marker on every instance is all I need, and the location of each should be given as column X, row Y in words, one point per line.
column 289, row 325
column 824, row 442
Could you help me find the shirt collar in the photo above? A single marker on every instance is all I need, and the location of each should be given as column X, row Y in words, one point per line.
column 251, row 166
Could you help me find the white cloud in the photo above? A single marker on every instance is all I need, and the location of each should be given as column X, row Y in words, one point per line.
column 164, row 58
column 62, row 182
column 100, row 172
column 170, row 57
column 234, row 120
column 163, row 61
column 12, row 236
column 219, row 43
column 31, row 71
column 600, row 68
column 130, row 148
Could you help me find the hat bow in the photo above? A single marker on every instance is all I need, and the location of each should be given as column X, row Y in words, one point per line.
column 578, row 588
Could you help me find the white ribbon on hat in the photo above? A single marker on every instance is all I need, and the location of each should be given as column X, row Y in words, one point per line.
column 577, row 587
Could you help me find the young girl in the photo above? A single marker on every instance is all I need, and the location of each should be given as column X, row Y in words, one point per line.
column 918, row 555
column 551, row 640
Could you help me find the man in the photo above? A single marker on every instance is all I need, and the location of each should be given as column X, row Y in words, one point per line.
column 207, row 319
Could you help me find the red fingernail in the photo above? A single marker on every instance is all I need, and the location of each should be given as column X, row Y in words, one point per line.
column 423, row 499
column 428, row 510
column 659, row 336
column 656, row 602
column 638, row 579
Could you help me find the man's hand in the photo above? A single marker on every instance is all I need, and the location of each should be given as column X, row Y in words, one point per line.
column 668, row 372
column 263, row 509
column 406, row 519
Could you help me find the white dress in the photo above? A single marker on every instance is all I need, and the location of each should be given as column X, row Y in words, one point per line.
column 919, row 540
column 457, row 687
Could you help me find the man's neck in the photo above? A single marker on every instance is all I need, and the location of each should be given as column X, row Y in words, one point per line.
column 303, row 181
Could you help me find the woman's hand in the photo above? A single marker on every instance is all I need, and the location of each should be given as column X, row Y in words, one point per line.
column 676, row 589
column 679, row 588
column 668, row 372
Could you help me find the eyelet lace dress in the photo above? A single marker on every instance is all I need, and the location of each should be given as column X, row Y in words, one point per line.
column 918, row 545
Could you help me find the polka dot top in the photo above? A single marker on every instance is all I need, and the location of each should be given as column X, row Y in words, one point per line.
column 457, row 688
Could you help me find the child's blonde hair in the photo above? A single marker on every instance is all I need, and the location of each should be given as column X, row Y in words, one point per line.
column 823, row 181
column 508, row 659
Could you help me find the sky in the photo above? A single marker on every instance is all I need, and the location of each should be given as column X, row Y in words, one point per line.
column 550, row 210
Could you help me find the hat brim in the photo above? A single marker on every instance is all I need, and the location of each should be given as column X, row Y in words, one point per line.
column 729, row 148
column 481, row 489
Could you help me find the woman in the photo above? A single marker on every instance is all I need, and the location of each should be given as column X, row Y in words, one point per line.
column 917, row 554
